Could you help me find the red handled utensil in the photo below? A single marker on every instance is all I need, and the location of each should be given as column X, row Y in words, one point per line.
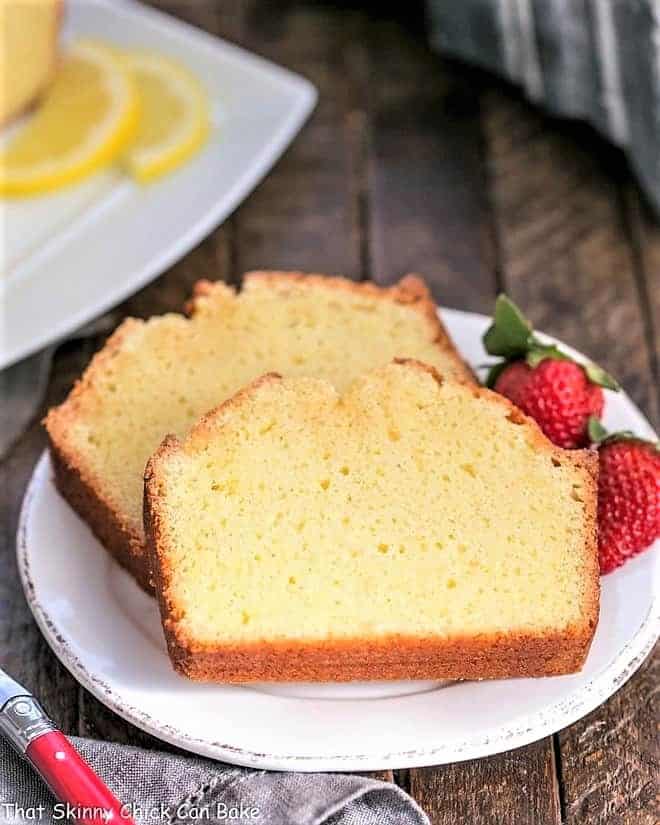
column 33, row 735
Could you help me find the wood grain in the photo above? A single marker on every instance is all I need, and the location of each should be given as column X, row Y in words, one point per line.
column 645, row 238
column 565, row 254
column 610, row 759
column 509, row 789
column 428, row 208
column 304, row 215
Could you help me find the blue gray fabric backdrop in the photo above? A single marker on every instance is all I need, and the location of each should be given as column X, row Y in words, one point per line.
column 597, row 60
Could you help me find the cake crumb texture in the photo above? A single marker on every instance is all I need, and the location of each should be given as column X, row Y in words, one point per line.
column 405, row 526
column 159, row 376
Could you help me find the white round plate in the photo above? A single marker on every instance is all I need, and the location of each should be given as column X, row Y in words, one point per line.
column 107, row 632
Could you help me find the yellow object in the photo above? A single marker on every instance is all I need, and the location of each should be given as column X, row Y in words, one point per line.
column 428, row 524
column 88, row 115
column 159, row 376
column 174, row 120
column 28, row 51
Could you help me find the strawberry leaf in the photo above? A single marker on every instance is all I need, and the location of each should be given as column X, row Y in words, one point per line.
column 597, row 375
column 511, row 337
column 539, row 352
column 494, row 373
column 509, row 334
column 597, row 433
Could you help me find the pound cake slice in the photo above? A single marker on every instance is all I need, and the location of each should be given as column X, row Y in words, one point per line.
column 159, row 376
column 413, row 527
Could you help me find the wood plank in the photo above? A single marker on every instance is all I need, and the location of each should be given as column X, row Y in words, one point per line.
column 565, row 255
column 567, row 260
column 611, row 758
column 645, row 234
column 428, row 208
column 509, row 789
column 304, row 215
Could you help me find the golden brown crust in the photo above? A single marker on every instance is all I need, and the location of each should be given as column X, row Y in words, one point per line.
column 104, row 522
column 494, row 656
column 154, row 535
column 86, row 493
column 486, row 656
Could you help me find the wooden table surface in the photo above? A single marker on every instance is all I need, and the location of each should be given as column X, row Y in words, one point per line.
column 410, row 163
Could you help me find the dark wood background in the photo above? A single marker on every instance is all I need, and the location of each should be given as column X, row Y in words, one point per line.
column 413, row 163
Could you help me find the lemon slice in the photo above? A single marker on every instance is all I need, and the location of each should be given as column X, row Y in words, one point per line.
column 87, row 117
column 174, row 119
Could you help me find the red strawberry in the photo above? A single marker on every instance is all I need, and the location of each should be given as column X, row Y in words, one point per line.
column 557, row 394
column 512, row 380
column 628, row 499
column 540, row 379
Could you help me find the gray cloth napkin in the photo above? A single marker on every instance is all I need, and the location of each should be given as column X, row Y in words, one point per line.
column 596, row 60
column 167, row 788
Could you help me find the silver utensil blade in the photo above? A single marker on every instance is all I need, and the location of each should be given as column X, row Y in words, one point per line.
column 10, row 688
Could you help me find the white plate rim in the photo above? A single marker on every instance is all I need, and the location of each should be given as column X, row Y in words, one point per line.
column 223, row 207
column 531, row 728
